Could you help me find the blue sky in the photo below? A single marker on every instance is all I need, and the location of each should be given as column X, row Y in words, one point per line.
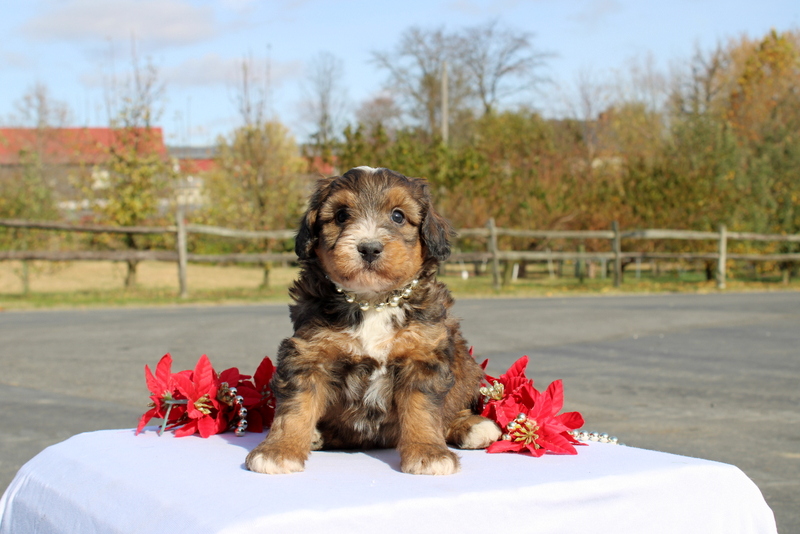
column 75, row 47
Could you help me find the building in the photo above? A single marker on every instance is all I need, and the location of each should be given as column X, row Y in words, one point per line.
column 64, row 153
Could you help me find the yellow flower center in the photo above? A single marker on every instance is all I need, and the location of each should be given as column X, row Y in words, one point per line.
column 523, row 431
column 203, row 404
column 493, row 392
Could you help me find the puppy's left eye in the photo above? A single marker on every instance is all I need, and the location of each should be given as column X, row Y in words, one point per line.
column 398, row 217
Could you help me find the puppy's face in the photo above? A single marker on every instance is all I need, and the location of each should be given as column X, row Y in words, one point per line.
column 372, row 230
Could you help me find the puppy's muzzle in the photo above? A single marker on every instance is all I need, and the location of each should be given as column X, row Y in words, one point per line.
column 370, row 250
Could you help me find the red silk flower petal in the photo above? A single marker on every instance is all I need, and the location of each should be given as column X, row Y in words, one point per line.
column 503, row 445
column 163, row 368
column 144, row 419
column 186, row 430
column 231, row 376
column 204, row 376
column 571, row 420
column 207, row 426
column 264, row 373
column 555, row 395
column 559, row 444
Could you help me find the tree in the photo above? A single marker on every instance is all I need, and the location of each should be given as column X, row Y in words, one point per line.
column 136, row 171
column 26, row 195
column 252, row 94
column 257, row 184
column 697, row 90
column 26, row 191
column 380, row 111
column 325, row 104
column 38, row 109
column 415, row 70
column 500, row 62
column 764, row 111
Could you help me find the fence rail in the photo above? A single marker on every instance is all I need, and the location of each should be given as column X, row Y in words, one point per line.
column 490, row 233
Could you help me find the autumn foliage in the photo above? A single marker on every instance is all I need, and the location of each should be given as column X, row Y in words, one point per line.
column 715, row 144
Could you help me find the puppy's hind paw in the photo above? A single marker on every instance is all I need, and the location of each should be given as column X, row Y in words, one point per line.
column 430, row 460
column 272, row 464
column 317, row 443
column 481, row 435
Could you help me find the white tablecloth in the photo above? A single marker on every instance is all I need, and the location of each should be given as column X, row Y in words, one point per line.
column 113, row 481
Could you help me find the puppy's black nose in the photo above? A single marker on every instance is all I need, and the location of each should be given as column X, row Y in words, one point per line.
column 370, row 250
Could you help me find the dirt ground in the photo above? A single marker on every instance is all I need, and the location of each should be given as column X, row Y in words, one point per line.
column 49, row 277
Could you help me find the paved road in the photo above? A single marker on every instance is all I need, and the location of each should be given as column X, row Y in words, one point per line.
column 711, row 376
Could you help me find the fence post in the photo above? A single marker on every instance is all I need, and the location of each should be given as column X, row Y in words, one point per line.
column 616, row 244
column 493, row 251
column 723, row 256
column 580, row 265
column 181, row 244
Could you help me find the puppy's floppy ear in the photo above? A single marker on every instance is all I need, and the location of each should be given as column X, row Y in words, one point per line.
column 306, row 240
column 436, row 232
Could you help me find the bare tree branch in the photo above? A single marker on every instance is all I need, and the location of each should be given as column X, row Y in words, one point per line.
column 326, row 102
column 501, row 62
column 415, row 73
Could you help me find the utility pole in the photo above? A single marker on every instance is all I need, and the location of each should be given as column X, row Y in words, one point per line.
column 445, row 104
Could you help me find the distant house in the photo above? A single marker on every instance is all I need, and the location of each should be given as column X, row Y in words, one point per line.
column 192, row 162
column 64, row 151
column 194, row 159
column 72, row 146
column 318, row 167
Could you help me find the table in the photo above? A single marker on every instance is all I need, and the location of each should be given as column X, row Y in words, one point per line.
column 112, row 481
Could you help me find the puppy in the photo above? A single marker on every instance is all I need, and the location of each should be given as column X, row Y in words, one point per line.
column 376, row 359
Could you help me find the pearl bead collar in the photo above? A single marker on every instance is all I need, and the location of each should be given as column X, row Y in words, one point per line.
column 393, row 301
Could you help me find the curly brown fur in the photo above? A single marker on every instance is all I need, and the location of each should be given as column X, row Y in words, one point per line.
column 397, row 377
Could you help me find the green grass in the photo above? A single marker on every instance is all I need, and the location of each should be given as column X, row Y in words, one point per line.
column 473, row 287
column 140, row 297
column 546, row 287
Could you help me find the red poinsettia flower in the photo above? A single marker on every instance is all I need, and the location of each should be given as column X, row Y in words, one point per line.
column 202, row 401
column 202, row 408
column 514, row 377
column 243, row 384
column 162, row 389
column 532, row 423
column 508, row 384
column 261, row 412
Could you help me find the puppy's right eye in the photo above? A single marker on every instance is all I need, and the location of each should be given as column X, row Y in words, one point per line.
column 341, row 216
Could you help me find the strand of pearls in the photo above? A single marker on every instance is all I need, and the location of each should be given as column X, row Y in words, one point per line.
column 241, row 412
column 584, row 435
column 393, row 301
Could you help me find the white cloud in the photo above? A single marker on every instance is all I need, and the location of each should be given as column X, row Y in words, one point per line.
column 238, row 5
column 157, row 22
column 596, row 12
column 213, row 69
column 14, row 59
column 483, row 7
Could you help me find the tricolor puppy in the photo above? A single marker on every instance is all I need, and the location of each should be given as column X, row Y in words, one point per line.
column 376, row 359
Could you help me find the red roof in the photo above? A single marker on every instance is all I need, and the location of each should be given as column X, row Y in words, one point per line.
column 194, row 166
column 75, row 145
column 316, row 165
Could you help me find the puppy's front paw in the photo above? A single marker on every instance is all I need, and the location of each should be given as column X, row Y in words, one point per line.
column 272, row 462
column 428, row 460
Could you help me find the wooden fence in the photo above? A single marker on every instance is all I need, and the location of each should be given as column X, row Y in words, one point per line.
column 616, row 255
column 490, row 233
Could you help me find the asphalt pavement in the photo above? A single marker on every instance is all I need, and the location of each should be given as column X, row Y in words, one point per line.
column 710, row 376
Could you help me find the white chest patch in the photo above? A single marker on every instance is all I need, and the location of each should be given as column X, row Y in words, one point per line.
column 375, row 333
